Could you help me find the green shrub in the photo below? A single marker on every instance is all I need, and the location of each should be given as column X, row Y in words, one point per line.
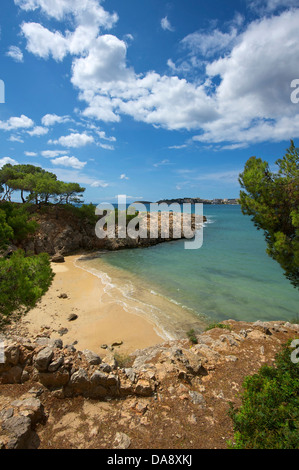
column 17, row 218
column 269, row 415
column 23, row 280
column 6, row 232
column 84, row 212
column 123, row 360
column 218, row 325
column 192, row 337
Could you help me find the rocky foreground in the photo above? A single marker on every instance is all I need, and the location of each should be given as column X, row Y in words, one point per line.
column 174, row 395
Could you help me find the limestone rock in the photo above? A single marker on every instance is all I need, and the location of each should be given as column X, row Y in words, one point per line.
column 105, row 367
column 80, row 381
column 30, row 407
column 19, row 430
column 130, row 373
column 12, row 353
column 197, row 398
column 143, row 388
column 54, row 379
column 43, row 359
column 58, row 258
column 121, row 441
column 91, row 357
column 51, row 343
column 54, row 366
column 263, row 327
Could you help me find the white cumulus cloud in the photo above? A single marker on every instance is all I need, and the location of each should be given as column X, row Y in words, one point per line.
column 38, row 131
column 51, row 119
column 15, row 53
column 16, row 123
column 74, row 140
column 72, row 162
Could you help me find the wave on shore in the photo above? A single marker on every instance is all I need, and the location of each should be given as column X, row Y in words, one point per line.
column 170, row 317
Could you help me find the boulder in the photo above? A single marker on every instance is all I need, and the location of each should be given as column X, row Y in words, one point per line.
column 143, row 388
column 12, row 354
column 43, row 359
column 54, row 366
column 30, row 407
column 54, row 379
column 52, row 343
column 18, row 429
column 80, row 381
column 99, row 378
column 58, row 258
column 91, row 357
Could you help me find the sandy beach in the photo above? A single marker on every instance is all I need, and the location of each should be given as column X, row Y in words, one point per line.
column 100, row 320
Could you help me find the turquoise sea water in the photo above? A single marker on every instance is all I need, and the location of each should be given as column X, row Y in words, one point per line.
column 231, row 276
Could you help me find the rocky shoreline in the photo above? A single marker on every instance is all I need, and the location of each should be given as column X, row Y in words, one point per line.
column 44, row 369
column 62, row 233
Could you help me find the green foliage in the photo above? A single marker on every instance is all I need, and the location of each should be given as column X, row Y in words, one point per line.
column 272, row 201
column 218, row 325
column 269, row 415
column 17, row 218
column 84, row 212
column 6, row 232
column 23, row 280
column 41, row 185
column 192, row 337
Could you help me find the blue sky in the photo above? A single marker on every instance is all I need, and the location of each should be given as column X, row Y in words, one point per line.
column 150, row 98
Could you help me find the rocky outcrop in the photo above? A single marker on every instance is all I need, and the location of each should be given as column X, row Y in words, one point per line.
column 17, row 422
column 68, row 371
column 61, row 233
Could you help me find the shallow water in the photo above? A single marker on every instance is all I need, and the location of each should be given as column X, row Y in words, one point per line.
column 231, row 276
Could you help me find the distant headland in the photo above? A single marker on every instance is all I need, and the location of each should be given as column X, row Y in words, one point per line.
column 190, row 200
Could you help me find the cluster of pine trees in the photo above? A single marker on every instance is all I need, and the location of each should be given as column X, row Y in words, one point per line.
column 37, row 185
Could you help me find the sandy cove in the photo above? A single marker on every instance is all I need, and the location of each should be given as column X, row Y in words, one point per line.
column 100, row 319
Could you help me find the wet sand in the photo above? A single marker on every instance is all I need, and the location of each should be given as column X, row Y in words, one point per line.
column 101, row 319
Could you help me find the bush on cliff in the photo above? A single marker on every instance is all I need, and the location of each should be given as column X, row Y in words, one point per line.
column 269, row 415
column 17, row 218
column 23, row 280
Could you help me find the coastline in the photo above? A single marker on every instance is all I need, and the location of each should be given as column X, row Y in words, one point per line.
column 106, row 312
column 100, row 319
